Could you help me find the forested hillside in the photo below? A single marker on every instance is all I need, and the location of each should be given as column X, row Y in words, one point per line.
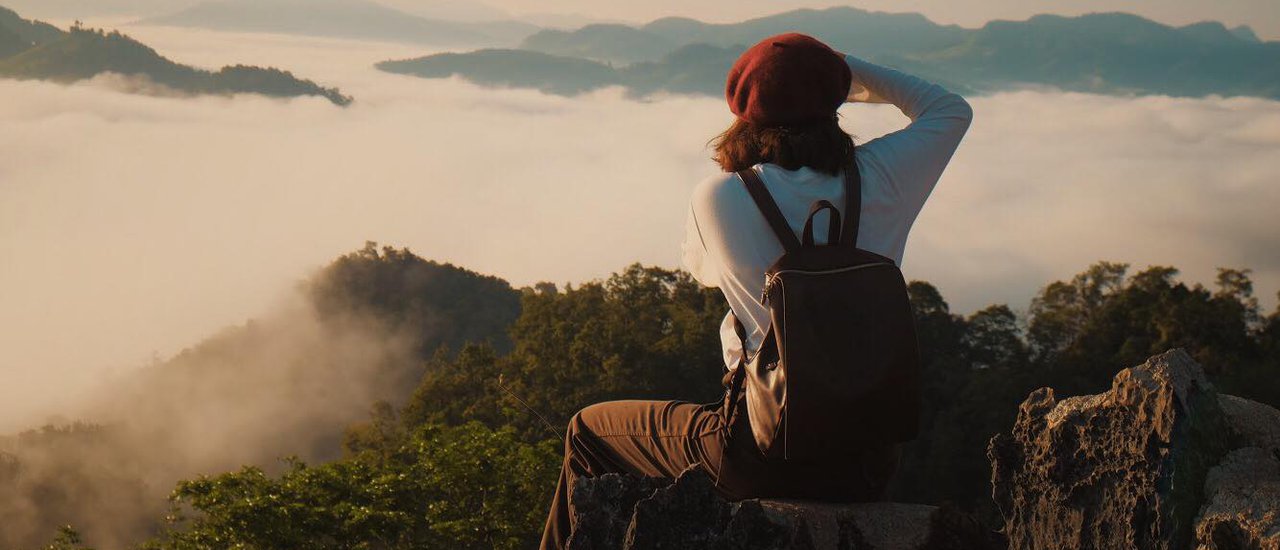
column 692, row 69
column 31, row 50
column 286, row 383
column 512, row 68
column 453, row 460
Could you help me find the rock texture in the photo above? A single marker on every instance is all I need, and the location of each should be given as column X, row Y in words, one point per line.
column 603, row 507
column 689, row 514
column 1243, row 505
column 1148, row 464
column 1121, row 469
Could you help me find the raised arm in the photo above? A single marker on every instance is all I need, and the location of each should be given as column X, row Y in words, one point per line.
column 913, row 158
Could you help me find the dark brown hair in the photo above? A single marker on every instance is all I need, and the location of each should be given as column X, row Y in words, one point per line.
column 822, row 146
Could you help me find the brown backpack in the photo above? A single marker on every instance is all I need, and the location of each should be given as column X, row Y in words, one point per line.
column 839, row 368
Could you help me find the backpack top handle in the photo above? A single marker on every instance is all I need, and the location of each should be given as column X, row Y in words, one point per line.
column 833, row 228
column 781, row 229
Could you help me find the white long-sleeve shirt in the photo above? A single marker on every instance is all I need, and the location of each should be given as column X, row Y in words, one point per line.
column 728, row 243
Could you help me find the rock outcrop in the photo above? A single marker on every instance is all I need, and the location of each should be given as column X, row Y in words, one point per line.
column 1160, row 461
column 623, row 512
column 1148, row 464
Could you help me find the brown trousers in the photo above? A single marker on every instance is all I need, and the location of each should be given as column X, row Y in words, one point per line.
column 663, row 438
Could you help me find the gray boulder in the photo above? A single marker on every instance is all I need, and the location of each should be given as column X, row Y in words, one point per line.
column 1242, row 509
column 1253, row 424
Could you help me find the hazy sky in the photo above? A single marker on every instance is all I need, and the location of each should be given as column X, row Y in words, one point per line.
column 1262, row 15
column 134, row 225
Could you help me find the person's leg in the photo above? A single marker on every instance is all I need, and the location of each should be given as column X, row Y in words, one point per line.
column 646, row 438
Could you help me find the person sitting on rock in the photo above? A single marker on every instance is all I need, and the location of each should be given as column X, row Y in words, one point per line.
column 785, row 92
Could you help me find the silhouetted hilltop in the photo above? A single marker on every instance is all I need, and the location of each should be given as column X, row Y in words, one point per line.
column 18, row 34
column 692, row 69
column 11, row 43
column 602, row 42
column 869, row 33
column 1109, row 53
column 344, row 19
column 511, row 68
column 37, row 51
column 854, row 30
column 1245, row 32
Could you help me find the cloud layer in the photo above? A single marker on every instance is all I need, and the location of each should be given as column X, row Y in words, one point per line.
column 133, row 225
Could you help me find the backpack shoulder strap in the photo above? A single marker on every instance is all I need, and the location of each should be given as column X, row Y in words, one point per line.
column 770, row 210
column 852, row 204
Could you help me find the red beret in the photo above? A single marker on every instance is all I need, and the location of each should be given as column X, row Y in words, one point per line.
column 787, row 79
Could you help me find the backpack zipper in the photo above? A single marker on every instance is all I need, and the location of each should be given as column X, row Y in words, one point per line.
column 769, row 281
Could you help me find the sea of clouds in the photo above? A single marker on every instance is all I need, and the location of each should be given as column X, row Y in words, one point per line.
column 132, row 226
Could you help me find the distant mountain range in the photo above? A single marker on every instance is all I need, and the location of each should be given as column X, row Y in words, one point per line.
column 32, row 50
column 1110, row 53
column 692, row 69
column 513, row 68
column 361, row 19
column 850, row 28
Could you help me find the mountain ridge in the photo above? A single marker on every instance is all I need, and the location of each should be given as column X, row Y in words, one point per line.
column 1113, row 53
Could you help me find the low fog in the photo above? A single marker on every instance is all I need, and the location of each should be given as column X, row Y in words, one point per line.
column 283, row 385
